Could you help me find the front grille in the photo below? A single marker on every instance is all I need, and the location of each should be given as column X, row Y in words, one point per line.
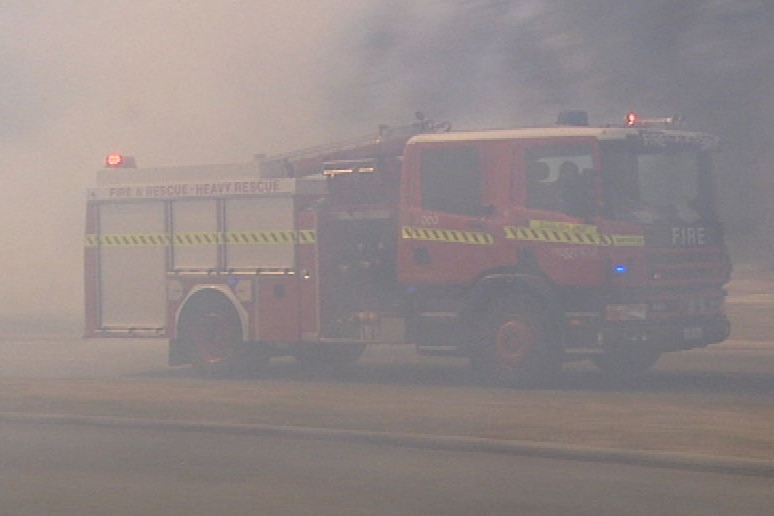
column 686, row 282
column 683, row 257
column 670, row 303
column 673, row 267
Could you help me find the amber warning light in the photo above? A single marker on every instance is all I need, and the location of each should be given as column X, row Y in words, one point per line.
column 115, row 160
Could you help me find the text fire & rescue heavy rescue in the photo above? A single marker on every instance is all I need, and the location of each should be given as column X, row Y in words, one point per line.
column 519, row 248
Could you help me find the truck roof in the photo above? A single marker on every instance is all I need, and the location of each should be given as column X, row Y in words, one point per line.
column 120, row 176
column 600, row 133
column 242, row 179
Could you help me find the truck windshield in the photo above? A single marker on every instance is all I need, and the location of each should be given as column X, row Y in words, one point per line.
column 652, row 185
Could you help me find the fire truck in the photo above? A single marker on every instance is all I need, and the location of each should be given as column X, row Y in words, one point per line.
column 520, row 249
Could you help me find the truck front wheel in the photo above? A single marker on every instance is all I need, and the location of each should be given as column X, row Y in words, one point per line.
column 516, row 345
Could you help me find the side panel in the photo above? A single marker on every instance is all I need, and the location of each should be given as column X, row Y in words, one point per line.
column 260, row 233
column 453, row 212
column 143, row 239
column 132, row 268
column 278, row 315
column 194, row 226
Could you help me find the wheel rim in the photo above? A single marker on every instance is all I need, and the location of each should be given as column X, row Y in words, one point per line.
column 213, row 338
column 514, row 342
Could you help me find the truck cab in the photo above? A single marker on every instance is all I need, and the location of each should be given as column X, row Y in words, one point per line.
column 611, row 232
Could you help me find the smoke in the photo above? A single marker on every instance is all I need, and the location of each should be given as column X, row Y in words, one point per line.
column 171, row 82
column 495, row 63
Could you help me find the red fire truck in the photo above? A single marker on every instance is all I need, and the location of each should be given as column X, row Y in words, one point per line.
column 518, row 248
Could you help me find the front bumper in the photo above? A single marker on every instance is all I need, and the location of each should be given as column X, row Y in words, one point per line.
column 664, row 336
column 661, row 336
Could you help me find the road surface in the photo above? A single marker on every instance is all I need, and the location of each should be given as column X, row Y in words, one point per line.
column 66, row 469
column 71, row 469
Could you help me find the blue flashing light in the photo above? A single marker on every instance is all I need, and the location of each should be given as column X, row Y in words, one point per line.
column 621, row 269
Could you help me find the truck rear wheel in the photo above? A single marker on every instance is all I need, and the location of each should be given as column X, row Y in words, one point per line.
column 213, row 332
column 516, row 345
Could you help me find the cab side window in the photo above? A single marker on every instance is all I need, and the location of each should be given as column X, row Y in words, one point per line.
column 554, row 177
column 542, row 191
column 451, row 180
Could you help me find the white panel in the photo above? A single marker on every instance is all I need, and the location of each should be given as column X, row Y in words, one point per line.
column 132, row 277
column 260, row 217
column 191, row 218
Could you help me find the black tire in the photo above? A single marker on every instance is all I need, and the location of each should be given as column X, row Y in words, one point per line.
column 516, row 345
column 627, row 362
column 213, row 332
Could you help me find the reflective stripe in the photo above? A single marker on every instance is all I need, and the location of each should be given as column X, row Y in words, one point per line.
column 533, row 234
column 303, row 236
column 447, row 235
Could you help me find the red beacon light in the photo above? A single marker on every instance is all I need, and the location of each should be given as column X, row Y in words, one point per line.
column 631, row 119
column 115, row 160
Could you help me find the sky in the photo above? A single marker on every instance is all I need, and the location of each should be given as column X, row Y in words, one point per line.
column 177, row 82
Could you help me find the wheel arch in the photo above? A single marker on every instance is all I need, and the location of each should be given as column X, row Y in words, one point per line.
column 499, row 285
column 208, row 294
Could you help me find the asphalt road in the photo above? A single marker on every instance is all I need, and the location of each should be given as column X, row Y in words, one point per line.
column 71, row 469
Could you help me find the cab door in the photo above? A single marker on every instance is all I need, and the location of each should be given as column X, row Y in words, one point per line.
column 447, row 222
column 558, row 222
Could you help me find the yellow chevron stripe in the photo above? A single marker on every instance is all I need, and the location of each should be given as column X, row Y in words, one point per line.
column 628, row 240
column 533, row 234
column 447, row 235
column 127, row 240
column 201, row 238
column 269, row 237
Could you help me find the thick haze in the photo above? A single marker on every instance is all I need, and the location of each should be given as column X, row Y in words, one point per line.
column 484, row 63
column 193, row 81
column 168, row 81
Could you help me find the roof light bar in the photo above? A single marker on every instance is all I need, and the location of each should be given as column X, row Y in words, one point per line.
column 633, row 120
column 345, row 166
